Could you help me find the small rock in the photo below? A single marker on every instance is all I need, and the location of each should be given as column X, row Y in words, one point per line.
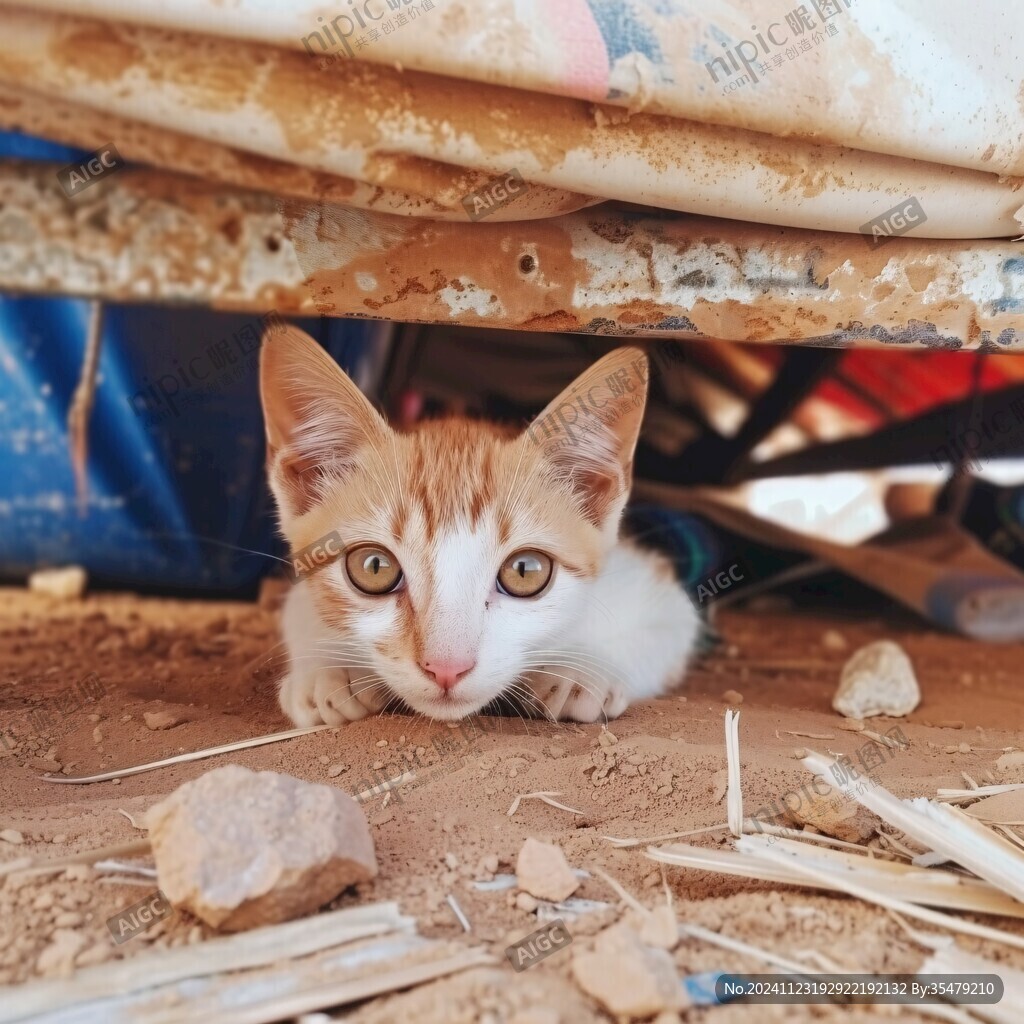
column 1010, row 760
column 59, row 956
column 490, row 864
column 239, row 849
column 157, row 720
column 97, row 735
column 524, row 901
column 629, row 979
column 68, row 919
column 878, row 680
column 97, row 954
column 732, row 697
column 852, row 725
column 543, row 871
column 139, row 639
column 181, row 650
column 60, row 838
column 42, row 765
column 67, row 584
column 661, row 929
column 833, row 640
column 607, row 738
column 335, row 770
column 826, row 809
column 12, row 835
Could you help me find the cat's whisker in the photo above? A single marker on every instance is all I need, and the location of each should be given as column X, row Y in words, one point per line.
column 332, row 662
column 575, row 682
column 589, row 671
column 583, row 660
column 539, row 705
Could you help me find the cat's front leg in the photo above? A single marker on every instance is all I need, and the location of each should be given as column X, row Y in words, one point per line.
column 572, row 694
column 315, row 691
column 328, row 696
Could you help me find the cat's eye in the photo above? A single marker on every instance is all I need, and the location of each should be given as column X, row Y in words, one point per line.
column 524, row 574
column 373, row 570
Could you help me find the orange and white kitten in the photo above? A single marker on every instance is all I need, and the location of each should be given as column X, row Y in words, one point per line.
column 477, row 562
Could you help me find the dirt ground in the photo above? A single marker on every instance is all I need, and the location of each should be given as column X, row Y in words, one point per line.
column 212, row 664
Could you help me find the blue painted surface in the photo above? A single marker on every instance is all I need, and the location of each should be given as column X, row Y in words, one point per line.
column 171, row 496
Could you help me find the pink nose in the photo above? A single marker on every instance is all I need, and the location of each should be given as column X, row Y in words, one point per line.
column 447, row 673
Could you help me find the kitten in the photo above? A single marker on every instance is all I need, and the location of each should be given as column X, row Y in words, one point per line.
column 477, row 562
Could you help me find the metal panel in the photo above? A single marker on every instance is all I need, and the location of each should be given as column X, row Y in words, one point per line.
column 144, row 235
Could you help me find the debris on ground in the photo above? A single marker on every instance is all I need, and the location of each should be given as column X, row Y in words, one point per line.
column 240, row 849
column 158, row 720
column 628, row 978
column 65, row 584
column 543, row 871
column 877, row 680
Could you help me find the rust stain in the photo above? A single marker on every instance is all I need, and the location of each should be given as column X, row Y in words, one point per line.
column 97, row 50
column 610, row 273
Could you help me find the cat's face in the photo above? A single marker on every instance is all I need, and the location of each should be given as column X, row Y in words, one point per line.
column 467, row 550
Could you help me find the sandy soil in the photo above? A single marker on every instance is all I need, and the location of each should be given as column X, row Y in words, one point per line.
column 213, row 665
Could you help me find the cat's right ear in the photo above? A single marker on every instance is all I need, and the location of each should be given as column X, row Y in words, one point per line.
column 316, row 418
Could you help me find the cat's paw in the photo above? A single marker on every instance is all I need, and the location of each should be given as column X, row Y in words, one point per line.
column 570, row 696
column 328, row 696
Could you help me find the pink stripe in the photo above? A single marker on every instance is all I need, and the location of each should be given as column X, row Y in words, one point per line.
column 584, row 58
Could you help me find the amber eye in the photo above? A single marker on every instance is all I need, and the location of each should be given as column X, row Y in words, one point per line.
column 524, row 574
column 373, row 570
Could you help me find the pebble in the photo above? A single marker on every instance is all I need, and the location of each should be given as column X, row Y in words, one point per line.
column 524, row 901
column 833, row 640
column 139, row 639
column 59, row 956
column 877, row 680
column 159, row 720
column 66, row 584
column 335, row 770
column 660, row 929
column 543, row 871
column 732, row 697
column 12, row 835
column 629, row 979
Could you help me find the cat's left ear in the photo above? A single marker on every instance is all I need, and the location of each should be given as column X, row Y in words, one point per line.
column 588, row 434
column 316, row 418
